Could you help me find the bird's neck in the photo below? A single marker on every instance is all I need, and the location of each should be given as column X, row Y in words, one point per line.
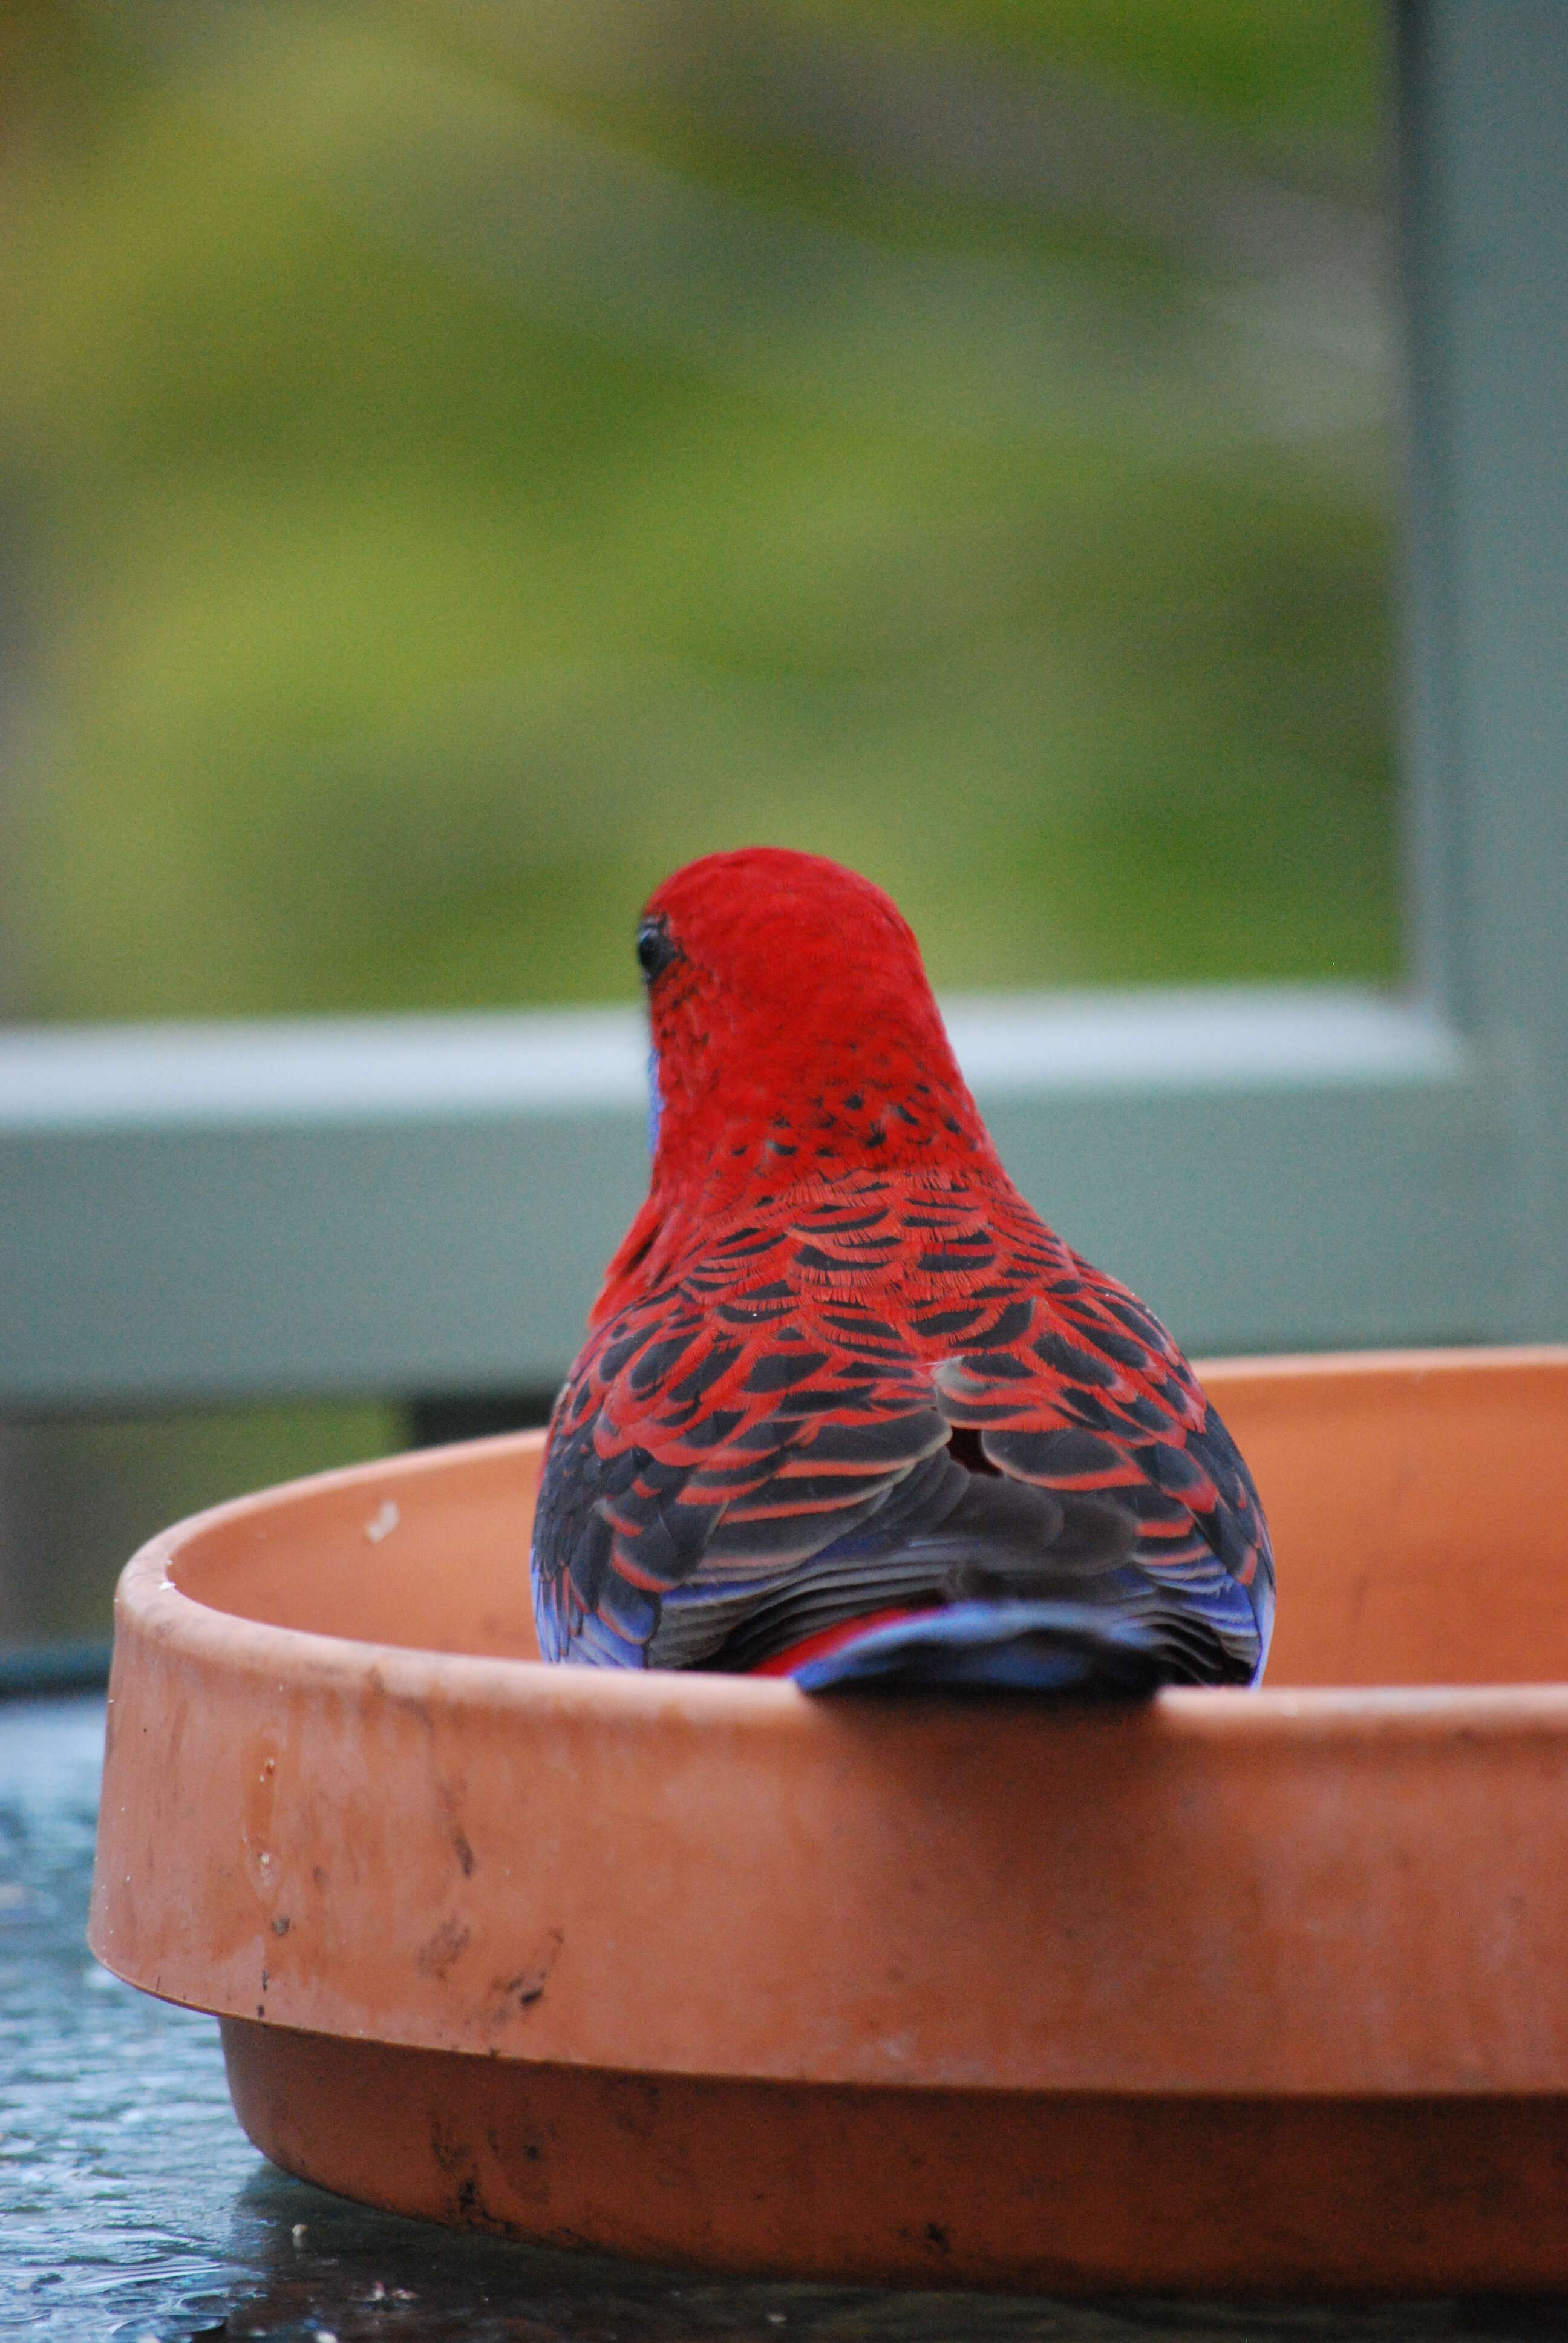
column 752, row 1143
column 881, row 1093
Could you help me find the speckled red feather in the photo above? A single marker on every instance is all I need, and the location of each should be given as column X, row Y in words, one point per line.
column 839, row 1366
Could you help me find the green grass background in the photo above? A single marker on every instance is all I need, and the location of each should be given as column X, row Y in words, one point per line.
column 459, row 460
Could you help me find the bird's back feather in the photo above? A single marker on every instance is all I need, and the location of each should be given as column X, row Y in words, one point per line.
column 898, row 1389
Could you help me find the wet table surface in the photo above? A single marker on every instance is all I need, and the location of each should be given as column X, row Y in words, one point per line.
column 132, row 2205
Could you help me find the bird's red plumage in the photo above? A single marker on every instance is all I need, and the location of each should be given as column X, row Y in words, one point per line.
column 796, row 1039
column 836, row 1318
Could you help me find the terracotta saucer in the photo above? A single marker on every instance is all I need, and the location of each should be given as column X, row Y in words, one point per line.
column 1229, row 1991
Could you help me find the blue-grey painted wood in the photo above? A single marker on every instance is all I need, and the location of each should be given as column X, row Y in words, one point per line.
column 1483, row 109
column 425, row 1204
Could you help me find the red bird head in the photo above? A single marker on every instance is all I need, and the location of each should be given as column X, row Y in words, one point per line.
column 795, row 1039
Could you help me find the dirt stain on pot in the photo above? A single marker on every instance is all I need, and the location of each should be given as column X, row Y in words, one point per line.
column 514, row 1996
column 440, row 1952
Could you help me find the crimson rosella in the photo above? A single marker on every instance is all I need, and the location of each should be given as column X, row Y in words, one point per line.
column 848, row 1410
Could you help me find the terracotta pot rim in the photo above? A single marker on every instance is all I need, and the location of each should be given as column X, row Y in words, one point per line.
column 150, row 1598
column 150, row 1594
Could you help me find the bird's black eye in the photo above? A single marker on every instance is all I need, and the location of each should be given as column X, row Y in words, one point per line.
column 655, row 947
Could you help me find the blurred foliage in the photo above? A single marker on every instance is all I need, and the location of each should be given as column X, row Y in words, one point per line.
column 461, row 460
column 77, row 1498
column 1301, row 80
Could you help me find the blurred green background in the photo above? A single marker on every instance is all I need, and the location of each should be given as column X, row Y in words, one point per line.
column 460, row 459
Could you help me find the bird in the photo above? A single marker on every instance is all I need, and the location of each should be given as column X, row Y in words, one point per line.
column 849, row 1411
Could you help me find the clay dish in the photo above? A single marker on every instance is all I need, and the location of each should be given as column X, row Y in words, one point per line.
column 1227, row 1991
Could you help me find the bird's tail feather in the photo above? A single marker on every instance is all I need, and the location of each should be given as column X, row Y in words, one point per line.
column 1077, row 1648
